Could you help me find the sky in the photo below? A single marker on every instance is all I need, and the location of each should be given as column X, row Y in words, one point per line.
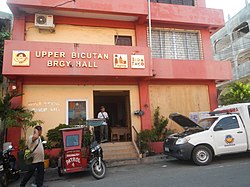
column 231, row 7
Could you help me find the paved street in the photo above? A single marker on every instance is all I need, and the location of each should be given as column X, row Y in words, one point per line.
column 228, row 171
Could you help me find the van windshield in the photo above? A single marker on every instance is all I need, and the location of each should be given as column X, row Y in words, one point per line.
column 206, row 123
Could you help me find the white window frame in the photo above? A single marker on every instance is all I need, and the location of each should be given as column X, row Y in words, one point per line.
column 75, row 100
column 174, row 30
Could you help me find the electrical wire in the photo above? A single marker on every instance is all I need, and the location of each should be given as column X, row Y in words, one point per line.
column 37, row 12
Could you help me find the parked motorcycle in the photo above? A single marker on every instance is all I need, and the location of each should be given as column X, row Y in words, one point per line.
column 97, row 165
column 8, row 171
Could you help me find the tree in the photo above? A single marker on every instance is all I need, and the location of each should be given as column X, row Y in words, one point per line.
column 4, row 35
column 15, row 117
column 5, row 109
column 236, row 92
column 21, row 117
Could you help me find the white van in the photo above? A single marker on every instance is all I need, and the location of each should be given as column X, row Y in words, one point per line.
column 226, row 131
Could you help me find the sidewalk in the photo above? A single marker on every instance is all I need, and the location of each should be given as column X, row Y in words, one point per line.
column 52, row 175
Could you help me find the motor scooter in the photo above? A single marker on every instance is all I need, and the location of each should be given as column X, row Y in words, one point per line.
column 8, row 171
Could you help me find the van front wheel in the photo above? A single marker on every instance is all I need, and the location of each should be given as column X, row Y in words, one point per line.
column 202, row 155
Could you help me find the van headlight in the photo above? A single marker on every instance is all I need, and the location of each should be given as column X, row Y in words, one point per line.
column 182, row 140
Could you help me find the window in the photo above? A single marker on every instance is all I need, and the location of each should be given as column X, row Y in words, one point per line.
column 176, row 2
column 123, row 40
column 222, row 43
column 72, row 140
column 241, row 30
column 76, row 112
column 227, row 124
column 206, row 123
column 176, row 44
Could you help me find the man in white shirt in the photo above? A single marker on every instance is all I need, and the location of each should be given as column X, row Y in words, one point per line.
column 35, row 143
column 104, row 128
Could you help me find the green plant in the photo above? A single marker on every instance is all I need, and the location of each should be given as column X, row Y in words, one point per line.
column 159, row 130
column 15, row 117
column 48, row 145
column 22, row 144
column 86, row 139
column 4, row 35
column 236, row 92
column 54, row 135
column 157, row 133
column 145, row 136
column 23, row 118
column 46, row 156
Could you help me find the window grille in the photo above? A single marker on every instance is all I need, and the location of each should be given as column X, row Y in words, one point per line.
column 176, row 44
column 176, row 2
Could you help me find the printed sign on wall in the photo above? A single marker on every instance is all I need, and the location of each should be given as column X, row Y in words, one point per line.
column 120, row 61
column 137, row 61
column 20, row 58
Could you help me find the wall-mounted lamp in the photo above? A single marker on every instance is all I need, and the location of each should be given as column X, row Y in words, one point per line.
column 135, row 52
column 13, row 85
column 138, row 112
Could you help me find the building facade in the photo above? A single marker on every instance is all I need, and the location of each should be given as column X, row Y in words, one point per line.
column 232, row 43
column 71, row 57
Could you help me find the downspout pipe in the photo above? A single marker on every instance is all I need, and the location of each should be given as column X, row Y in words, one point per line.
column 149, row 24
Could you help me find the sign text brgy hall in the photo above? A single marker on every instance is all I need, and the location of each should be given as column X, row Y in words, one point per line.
column 73, row 59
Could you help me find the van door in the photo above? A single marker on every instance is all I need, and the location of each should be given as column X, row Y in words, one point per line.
column 229, row 135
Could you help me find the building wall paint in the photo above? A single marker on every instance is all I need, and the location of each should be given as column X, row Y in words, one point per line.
column 173, row 98
column 37, row 97
column 77, row 34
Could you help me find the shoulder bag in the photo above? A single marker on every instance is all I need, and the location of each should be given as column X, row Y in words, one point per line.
column 28, row 154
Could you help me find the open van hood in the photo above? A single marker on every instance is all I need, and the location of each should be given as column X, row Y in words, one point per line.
column 183, row 120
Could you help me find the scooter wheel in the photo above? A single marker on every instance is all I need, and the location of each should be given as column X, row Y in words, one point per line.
column 3, row 180
column 98, row 171
column 17, row 176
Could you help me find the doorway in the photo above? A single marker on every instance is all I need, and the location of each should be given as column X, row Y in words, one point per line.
column 117, row 105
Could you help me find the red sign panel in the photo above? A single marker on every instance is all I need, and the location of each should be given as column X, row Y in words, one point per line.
column 73, row 159
column 64, row 59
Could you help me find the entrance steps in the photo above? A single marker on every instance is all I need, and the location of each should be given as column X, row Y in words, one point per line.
column 119, row 153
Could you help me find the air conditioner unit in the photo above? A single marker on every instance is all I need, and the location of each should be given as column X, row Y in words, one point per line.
column 43, row 21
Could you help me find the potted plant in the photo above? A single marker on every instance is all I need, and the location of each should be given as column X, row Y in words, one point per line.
column 152, row 140
column 46, row 161
column 145, row 136
column 159, row 131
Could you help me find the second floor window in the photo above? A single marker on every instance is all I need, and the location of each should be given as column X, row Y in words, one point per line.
column 123, row 40
column 176, row 2
column 176, row 44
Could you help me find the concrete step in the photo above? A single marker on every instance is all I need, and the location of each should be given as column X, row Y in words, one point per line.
column 122, row 162
column 113, row 152
column 116, row 144
column 119, row 157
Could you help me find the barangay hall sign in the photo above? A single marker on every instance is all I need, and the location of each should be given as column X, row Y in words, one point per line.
column 45, row 58
column 78, row 60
